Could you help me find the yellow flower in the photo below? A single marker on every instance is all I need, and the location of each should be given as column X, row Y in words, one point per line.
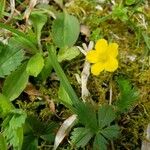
column 103, row 57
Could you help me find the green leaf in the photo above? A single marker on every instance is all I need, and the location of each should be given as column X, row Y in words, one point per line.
column 3, row 144
column 30, row 143
column 22, row 38
column 2, row 7
column 106, row 115
column 63, row 96
column 46, row 71
column 35, row 65
column 111, row 132
column 39, row 128
column 38, row 20
column 84, row 112
column 100, row 143
column 10, row 58
column 22, row 43
column 81, row 136
column 5, row 106
column 68, row 53
column 65, row 30
column 128, row 95
column 12, row 128
column 63, row 79
column 146, row 40
column 15, row 83
column 130, row 2
column 120, row 12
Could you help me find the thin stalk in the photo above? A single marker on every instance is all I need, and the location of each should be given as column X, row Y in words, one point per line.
column 63, row 79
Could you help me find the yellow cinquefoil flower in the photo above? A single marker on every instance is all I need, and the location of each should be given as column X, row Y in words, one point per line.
column 103, row 57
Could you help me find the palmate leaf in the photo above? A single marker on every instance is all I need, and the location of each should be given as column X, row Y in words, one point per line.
column 10, row 58
column 12, row 128
column 87, row 116
column 39, row 128
column 34, row 129
column 128, row 95
column 111, row 132
column 100, row 143
column 30, row 143
column 105, row 116
column 81, row 136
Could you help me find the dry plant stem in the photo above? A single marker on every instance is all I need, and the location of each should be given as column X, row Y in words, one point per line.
column 12, row 7
column 29, row 9
column 112, row 145
column 58, row 2
column 85, row 74
column 84, row 78
column 110, row 95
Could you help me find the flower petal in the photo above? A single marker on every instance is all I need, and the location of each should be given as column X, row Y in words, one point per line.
column 101, row 46
column 92, row 56
column 97, row 68
column 113, row 49
column 111, row 65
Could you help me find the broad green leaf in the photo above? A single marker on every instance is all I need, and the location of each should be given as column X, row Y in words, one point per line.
column 81, row 136
column 100, row 143
column 67, row 53
column 38, row 20
column 30, row 143
column 35, row 65
column 12, row 128
column 65, row 30
column 22, row 38
column 10, row 58
column 111, row 132
column 105, row 115
column 2, row 7
column 3, row 143
column 128, row 95
column 5, row 106
column 15, row 83
column 63, row 96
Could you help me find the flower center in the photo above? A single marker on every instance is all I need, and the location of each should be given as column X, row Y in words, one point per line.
column 103, row 58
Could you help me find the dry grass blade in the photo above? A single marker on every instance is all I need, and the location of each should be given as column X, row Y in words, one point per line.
column 64, row 130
